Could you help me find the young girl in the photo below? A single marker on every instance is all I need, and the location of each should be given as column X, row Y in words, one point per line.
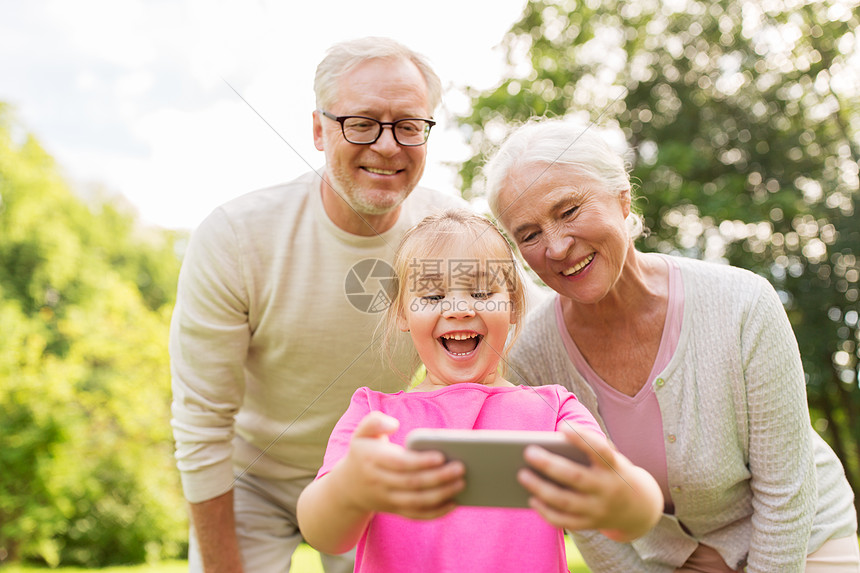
column 458, row 295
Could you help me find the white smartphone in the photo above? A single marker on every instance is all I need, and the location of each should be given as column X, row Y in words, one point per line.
column 492, row 459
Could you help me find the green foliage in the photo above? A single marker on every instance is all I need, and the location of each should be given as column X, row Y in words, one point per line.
column 743, row 122
column 85, row 447
column 174, row 566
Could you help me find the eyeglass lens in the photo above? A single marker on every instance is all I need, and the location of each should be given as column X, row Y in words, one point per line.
column 366, row 130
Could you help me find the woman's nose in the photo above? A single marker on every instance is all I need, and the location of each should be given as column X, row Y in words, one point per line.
column 558, row 245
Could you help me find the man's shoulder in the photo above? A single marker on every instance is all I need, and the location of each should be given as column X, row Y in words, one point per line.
column 269, row 205
column 275, row 197
column 430, row 194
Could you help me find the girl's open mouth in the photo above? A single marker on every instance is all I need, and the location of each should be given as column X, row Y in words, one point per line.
column 460, row 343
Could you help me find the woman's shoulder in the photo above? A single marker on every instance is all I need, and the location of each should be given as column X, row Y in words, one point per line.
column 722, row 296
column 712, row 278
column 541, row 318
column 705, row 268
column 538, row 330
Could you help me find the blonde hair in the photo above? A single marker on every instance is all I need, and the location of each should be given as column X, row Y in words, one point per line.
column 344, row 56
column 455, row 231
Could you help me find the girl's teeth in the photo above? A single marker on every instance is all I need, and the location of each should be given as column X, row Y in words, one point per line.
column 459, row 336
column 466, row 348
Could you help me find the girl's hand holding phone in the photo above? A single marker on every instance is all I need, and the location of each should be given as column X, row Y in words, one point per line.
column 381, row 476
column 620, row 499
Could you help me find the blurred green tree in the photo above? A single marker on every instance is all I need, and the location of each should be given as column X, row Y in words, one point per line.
column 742, row 120
column 86, row 469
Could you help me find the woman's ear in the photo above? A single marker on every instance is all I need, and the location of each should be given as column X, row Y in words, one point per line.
column 624, row 197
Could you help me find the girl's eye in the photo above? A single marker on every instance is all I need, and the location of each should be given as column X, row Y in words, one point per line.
column 483, row 295
column 433, row 297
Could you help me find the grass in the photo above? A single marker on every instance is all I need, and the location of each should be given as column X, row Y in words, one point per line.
column 305, row 560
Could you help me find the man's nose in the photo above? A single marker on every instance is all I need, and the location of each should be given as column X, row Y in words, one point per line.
column 386, row 144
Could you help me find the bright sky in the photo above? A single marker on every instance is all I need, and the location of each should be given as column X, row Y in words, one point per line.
column 128, row 94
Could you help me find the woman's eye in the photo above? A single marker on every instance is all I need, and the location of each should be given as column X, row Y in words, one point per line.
column 568, row 212
column 528, row 237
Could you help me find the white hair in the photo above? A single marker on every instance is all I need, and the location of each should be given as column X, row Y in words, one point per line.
column 560, row 142
column 342, row 57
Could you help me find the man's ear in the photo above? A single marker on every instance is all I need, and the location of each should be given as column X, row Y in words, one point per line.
column 318, row 132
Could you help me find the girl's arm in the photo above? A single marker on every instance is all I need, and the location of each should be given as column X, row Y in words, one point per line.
column 375, row 475
column 620, row 499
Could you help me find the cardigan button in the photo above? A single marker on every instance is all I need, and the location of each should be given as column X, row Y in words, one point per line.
column 659, row 382
column 671, row 438
column 676, row 489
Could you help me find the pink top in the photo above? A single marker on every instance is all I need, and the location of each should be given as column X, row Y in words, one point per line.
column 469, row 538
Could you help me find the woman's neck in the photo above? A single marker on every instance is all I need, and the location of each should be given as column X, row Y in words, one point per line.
column 620, row 336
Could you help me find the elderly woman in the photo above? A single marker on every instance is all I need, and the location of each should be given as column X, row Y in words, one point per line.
column 690, row 367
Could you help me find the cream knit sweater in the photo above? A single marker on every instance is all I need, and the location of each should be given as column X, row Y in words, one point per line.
column 266, row 343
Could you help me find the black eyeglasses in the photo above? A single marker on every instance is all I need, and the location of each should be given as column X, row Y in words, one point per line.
column 360, row 130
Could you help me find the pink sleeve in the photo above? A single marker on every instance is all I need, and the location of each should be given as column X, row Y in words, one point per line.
column 571, row 410
column 338, row 442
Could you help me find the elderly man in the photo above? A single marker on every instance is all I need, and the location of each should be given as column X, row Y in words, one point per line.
column 278, row 302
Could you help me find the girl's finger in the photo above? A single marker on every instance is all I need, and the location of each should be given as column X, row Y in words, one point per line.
column 567, row 473
column 561, row 497
column 427, row 500
column 570, row 521
column 598, row 449
column 425, row 479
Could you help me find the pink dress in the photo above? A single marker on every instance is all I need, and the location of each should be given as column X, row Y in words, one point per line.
column 469, row 538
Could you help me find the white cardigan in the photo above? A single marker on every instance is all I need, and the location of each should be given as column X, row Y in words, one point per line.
column 748, row 474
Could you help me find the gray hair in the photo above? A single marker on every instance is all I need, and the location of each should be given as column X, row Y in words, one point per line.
column 341, row 57
column 560, row 142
